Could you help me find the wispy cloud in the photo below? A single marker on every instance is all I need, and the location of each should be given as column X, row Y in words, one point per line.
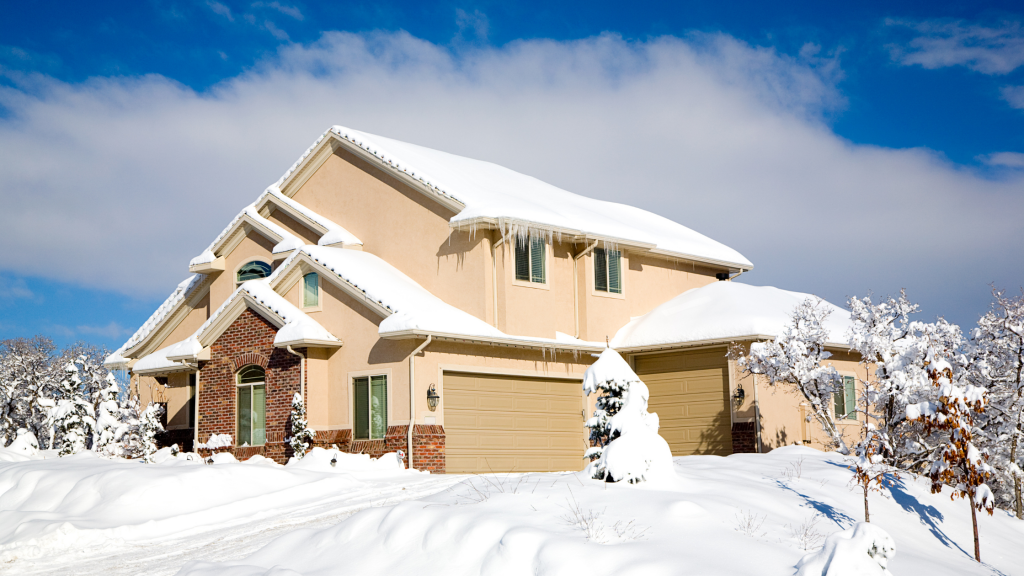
column 997, row 49
column 285, row 9
column 110, row 331
column 1014, row 95
column 14, row 288
column 727, row 138
column 472, row 26
column 1004, row 159
column 274, row 30
column 220, row 9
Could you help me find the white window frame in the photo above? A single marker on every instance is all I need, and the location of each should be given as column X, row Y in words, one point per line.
column 391, row 421
column 319, row 293
column 238, row 385
column 234, row 274
column 548, row 253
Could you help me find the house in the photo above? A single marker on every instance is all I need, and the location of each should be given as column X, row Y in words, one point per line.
column 448, row 307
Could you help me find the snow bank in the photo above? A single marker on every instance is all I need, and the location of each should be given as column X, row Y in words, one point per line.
column 864, row 550
column 25, row 446
column 324, row 460
column 217, row 441
column 722, row 311
column 492, row 192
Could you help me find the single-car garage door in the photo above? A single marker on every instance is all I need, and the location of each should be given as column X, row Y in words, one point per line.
column 690, row 394
column 512, row 424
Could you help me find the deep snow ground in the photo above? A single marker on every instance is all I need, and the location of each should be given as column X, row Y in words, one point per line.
column 744, row 514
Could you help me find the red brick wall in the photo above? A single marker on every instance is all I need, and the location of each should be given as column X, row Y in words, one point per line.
column 427, row 443
column 743, row 438
column 249, row 340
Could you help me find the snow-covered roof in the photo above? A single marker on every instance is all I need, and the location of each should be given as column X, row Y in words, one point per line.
column 493, row 193
column 286, row 241
column 410, row 308
column 723, row 311
column 183, row 290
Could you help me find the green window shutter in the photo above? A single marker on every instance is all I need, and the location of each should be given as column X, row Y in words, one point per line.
column 850, row 388
column 310, row 291
column 600, row 270
column 362, row 407
column 537, row 253
column 244, row 416
column 522, row 260
column 615, row 271
column 379, row 406
column 259, row 415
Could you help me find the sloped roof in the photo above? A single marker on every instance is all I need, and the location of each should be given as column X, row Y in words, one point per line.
column 723, row 311
column 184, row 289
column 493, row 193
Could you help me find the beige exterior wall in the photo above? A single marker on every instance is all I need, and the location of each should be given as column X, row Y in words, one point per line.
column 290, row 224
column 254, row 246
column 177, row 394
column 403, row 227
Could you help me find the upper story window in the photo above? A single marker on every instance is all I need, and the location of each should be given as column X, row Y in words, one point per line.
column 310, row 290
column 608, row 270
column 530, row 260
column 846, row 400
column 253, row 270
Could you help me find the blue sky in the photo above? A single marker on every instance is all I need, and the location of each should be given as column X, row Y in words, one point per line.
column 117, row 118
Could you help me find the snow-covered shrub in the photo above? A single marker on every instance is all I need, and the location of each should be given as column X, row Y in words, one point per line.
column 149, row 426
column 25, row 442
column 629, row 447
column 217, row 441
column 864, row 550
column 73, row 415
column 302, row 437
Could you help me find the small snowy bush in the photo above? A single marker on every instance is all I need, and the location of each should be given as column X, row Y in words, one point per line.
column 629, row 447
column 864, row 550
column 302, row 437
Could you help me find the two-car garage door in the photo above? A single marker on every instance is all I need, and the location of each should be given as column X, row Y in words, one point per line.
column 496, row 423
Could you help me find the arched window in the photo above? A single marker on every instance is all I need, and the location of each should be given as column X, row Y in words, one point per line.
column 252, row 406
column 253, row 270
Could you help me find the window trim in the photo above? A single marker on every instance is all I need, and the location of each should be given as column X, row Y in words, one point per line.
column 592, row 275
column 238, row 385
column 319, row 293
column 846, row 417
column 234, row 273
column 548, row 253
column 389, row 386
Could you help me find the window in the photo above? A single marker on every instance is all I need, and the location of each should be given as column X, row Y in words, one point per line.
column 371, row 407
column 310, row 291
column 846, row 400
column 252, row 406
column 608, row 270
column 530, row 260
column 253, row 270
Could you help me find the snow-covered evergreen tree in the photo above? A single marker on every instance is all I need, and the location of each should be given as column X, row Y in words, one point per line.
column 302, row 437
column 955, row 460
column 111, row 420
column 29, row 377
column 797, row 358
column 148, row 427
column 628, row 445
column 73, row 415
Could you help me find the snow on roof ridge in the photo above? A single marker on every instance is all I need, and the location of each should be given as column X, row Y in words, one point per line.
column 184, row 289
column 336, row 234
column 723, row 311
column 287, row 243
column 493, row 192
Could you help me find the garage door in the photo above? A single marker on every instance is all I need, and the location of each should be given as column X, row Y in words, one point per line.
column 512, row 424
column 690, row 394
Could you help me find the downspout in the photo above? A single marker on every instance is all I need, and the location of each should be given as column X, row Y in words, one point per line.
column 494, row 276
column 412, row 394
column 302, row 374
column 576, row 289
column 738, row 275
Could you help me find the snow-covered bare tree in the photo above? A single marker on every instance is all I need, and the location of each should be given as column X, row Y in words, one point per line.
column 28, row 384
column 629, row 447
column 74, row 414
column 997, row 347
column 302, row 437
column 796, row 358
column 955, row 460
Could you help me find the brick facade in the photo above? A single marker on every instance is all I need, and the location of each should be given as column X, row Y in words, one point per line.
column 743, row 438
column 249, row 340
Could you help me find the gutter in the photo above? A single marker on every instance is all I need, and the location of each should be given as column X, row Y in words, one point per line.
column 412, row 394
column 575, row 287
column 841, row 347
column 495, row 341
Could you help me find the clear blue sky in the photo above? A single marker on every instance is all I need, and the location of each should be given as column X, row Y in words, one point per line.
column 953, row 94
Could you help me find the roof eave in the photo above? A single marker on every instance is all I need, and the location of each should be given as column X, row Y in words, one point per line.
column 511, row 342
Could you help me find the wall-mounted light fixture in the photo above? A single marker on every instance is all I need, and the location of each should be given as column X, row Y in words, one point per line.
column 738, row 396
column 432, row 398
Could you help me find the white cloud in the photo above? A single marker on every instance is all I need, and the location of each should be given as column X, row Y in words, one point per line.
column 13, row 288
column 1014, row 95
column 110, row 331
column 118, row 182
column 940, row 43
column 220, row 9
column 1004, row 159
column 285, row 9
